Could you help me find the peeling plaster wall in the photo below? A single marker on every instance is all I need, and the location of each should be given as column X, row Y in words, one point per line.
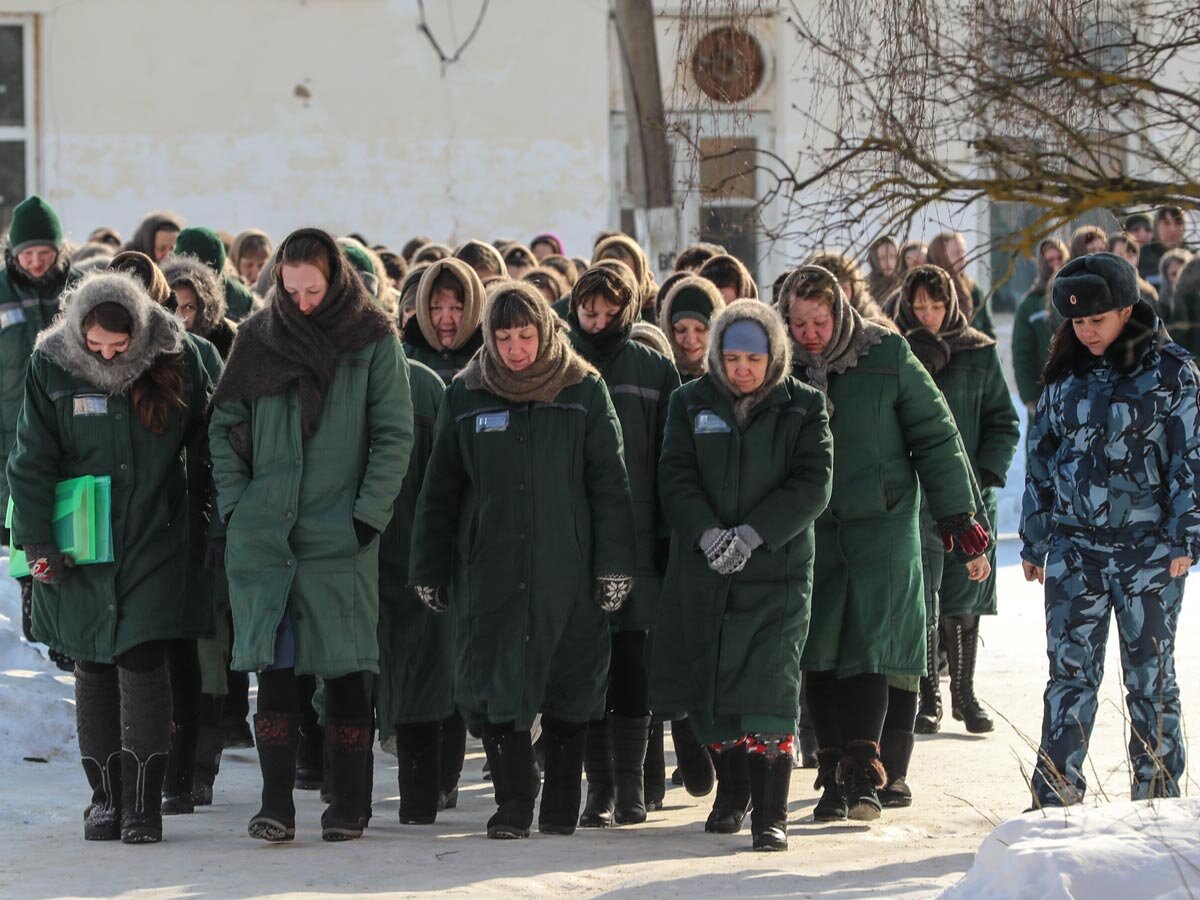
column 192, row 106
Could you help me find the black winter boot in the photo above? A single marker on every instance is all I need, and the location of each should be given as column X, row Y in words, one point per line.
column 349, row 742
column 510, row 754
column 419, row 748
column 831, row 807
column 310, row 756
column 598, row 763
column 278, row 735
column 695, row 761
column 564, row 743
column 629, row 740
column 98, row 726
column 770, row 779
column 654, row 769
column 895, row 752
column 209, row 741
column 806, row 737
column 454, row 751
column 962, row 642
column 237, row 707
column 179, row 782
column 862, row 774
column 929, row 710
column 733, row 791
column 145, row 746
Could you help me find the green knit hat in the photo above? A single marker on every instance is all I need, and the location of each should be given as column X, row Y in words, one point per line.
column 361, row 261
column 34, row 224
column 204, row 244
column 692, row 303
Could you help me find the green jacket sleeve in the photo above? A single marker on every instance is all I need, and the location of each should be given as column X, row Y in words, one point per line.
column 231, row 473
column 932, row 439
column 796, row 503
column 436, row 520
column 33, row 465
column 390, row 423
column 607, row 485
column 679, row 486
column 1024, row 355
column 999, row 427
column 195, row 439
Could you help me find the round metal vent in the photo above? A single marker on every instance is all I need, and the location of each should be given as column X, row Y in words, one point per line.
column 728, row 64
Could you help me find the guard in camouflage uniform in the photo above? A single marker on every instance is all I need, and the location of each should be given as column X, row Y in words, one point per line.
column 1111, row 522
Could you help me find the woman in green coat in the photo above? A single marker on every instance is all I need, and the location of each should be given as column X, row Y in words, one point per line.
column 310, row 435
column 114, row 389
column 745, row 471
column 603, row 310
column 684, row 315
column 966, row 368
column 890, row 425
column 525, row 531
column 1034, row 322
column 444, row 333
column 413, row 696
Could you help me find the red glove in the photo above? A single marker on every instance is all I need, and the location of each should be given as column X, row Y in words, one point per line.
column 971, row 537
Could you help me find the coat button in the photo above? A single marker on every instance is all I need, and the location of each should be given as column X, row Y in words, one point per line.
column 291, row 562
column 521, row 586
column 124, row 466
column 290, row 514
column 119, row 417
column 520, row 487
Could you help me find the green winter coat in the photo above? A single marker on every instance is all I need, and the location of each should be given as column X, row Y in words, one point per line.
column 291, row 539
column 445, row 363
column 523, row 505
column 974, row 387
column 69, row 427
column 727, row 650
column 890, row 424
column 415, row 644
column 239, row 299
column 23, row 313
column 640, row 383
column 1032, row 329
column 982, row 315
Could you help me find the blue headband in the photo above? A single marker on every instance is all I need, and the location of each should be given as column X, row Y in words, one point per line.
column 745, row 336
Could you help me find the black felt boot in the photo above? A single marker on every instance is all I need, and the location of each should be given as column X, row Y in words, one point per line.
column 310, row 756
column 598, row 763
column 733, row 791
column 454, row 750
column 145, row 746
column 510, row 755
column 862, row 774
column 770, row 779
column 349, row 743
column 696, row 766
column 962, row 642
column 654, row 769
column 895, row 751
column 277, row 735
column 98, row 726
column 210, row 739
column 179, row 783
column 831, row 807
column 419, row 748
column 629, row 740
column 561, row 786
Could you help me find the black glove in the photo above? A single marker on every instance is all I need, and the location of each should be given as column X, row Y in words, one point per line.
column 990, row 479
column 610, row 591
column 47, row 563
column 962, row 530
column 364, row 532
column 214, row 554
column 433, row 596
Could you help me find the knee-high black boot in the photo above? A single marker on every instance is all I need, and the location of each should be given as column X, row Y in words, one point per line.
column 277, row 735
column 349, row 743
column 145, row 745
column 630, row 736
column 929, row 712
column 962, row 642
column 598, row 763
column 561, row 786
column 510, row 755
column 454, row 751
column 419, row 746
column 654, row 769
column 770, row 779
column 733, row 791
column 98, row 726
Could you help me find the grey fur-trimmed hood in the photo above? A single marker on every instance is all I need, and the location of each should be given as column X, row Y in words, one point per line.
column 155, row 332
column 666, row 305
column 190, row 272
column 778, row 343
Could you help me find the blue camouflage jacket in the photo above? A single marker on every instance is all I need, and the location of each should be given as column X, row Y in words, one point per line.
column 1115, row 449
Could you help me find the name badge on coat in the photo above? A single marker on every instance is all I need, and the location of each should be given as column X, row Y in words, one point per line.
column 491, row 421
column 91, row 405
column 708, row 422
column 13, row 316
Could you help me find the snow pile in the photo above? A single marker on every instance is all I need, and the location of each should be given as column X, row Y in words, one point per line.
column 1117, row 850
column 37, row 700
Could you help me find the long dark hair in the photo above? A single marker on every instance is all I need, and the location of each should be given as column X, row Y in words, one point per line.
column 1064, row 351
column 160, row 388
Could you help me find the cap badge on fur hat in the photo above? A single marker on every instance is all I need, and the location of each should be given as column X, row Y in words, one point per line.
column 1093, row 285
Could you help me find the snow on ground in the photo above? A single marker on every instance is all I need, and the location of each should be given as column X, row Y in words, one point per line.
column 965, row 785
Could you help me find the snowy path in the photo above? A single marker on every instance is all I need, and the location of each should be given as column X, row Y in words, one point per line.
column 964, row 785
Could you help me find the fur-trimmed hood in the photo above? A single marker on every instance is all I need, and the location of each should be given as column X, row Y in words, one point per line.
column 210, row 293
column 473, row 297
column 725, row 261
column 651, row 336
column 641, row 265
column 155, row 332
column 779, row 347
column 667, row 304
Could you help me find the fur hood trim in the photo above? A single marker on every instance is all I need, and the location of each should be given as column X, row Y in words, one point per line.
column 665, row 305
column 473, row 296
column 155, row 332
column 190, row 272
column 778, row 343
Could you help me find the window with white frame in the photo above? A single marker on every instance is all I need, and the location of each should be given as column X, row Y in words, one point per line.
column 17, row 145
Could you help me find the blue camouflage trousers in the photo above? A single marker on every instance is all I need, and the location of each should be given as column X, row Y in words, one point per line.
column 1086, row 579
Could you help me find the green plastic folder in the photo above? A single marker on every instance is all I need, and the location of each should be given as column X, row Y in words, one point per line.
column 82, row 523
